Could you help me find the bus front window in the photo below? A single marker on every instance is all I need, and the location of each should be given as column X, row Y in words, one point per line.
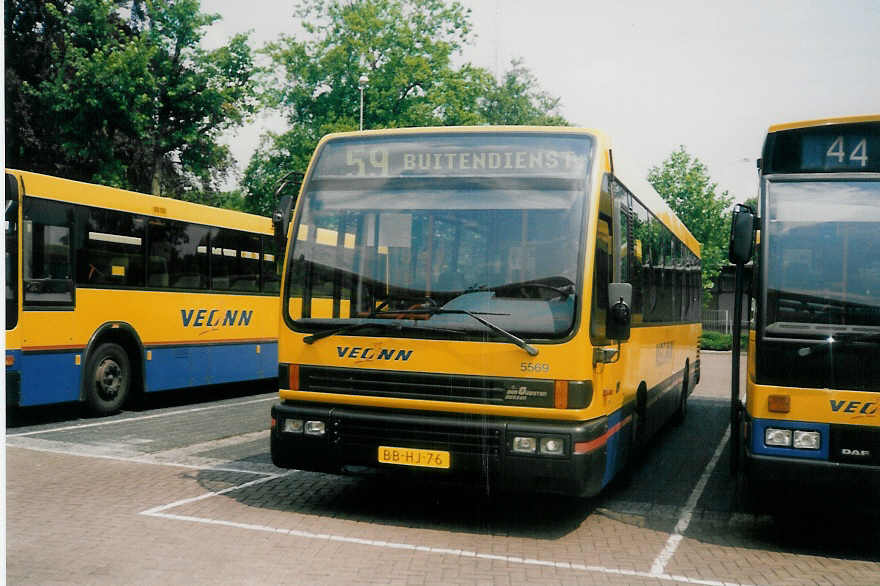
column 505, row 246
column 823, row 258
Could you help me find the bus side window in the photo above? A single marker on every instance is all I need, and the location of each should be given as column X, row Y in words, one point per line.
column 603, row 266
column 621, row 196
column 46, row 242
column 270, row 267
column 178, row 255
column 235, row 261
column 640, row 258
column 112, row 250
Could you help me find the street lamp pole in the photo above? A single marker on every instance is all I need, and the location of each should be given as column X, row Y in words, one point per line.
column 362, row 84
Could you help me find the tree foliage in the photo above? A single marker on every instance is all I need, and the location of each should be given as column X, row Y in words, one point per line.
column 405, row 48
column 683, row 181
column 119, row 92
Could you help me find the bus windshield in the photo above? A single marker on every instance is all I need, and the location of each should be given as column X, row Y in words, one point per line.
column 426, row 229
column 823, row 258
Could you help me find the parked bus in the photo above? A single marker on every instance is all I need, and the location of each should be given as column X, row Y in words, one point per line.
column 457, row 304
column 110, row 293
column 811, row 414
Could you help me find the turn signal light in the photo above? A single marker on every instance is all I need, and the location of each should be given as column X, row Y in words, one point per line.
column 779, row 403
column 560, row 394
column 10, row 360
column 288, row 376
column 293, row 377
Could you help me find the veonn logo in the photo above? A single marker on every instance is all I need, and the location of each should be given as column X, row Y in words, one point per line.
column 215, row 318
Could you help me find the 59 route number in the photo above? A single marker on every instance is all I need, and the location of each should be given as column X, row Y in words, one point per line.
column 534, row 367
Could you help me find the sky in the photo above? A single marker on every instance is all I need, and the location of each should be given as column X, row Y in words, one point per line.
column 654, row 75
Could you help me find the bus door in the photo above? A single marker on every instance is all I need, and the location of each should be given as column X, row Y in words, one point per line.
column 11, row 260
column 610, row 348
column 13, row 295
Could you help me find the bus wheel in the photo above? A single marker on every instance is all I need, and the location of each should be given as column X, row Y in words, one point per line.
column 681, row 413
column 108, row 378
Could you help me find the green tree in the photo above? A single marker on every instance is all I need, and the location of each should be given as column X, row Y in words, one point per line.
column 683, row 181
column 405, row 48
column 119, row 92
column 518, row 99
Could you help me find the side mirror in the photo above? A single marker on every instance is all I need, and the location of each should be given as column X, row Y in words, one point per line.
column 281, row 216
column 742, row 235
column 281, row 220
column 617, row 326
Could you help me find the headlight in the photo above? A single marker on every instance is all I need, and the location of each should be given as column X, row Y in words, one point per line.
column 292, row 426
column 807, row 440
column 553, row 446
column 780, row 438
column 524, row 445
column 314, row 428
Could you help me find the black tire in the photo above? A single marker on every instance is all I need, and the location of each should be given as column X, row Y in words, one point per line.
column 681, row 412
column 639, row 421
column 107, row 379
column 746, row 495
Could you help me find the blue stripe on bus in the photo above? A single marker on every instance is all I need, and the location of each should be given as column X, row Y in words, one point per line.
column 758, row 447
column 185, row 366
column 49, row 377
column 613, row 461
column 54, row 377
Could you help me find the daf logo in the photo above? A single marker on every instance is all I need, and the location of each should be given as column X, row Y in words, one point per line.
column 849, row 452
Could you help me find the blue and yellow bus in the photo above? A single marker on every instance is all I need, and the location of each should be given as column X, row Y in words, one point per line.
column 811, row 414
column 111, row 293
column 492, row 305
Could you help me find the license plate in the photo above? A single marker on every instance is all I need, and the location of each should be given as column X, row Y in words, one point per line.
column 414, row 457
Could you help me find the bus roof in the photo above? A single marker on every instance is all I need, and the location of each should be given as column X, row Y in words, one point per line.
column 465, row 129
column 78, row 192
column 824, row 122
column 631, row 177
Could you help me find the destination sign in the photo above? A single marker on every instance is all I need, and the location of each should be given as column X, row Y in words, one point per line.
column 822, row 149
column 446, row 155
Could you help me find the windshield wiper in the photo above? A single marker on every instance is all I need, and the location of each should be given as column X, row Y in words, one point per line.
column 312, row 338
column 564, row 291
column 532, row 351
column 387, row 325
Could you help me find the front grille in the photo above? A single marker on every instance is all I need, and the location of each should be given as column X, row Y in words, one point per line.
column 471, row 435
column 432, row 387
column 855, row 444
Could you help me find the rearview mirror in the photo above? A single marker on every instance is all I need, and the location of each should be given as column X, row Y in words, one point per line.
column 281, row 220
column 281, row 216
column 742, row 235
column 617, row 326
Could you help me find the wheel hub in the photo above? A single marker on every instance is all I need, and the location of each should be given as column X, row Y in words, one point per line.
column 108, row 378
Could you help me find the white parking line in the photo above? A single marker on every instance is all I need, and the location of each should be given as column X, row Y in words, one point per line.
column 160, row 512
column 86, row 451
column 144, row 417
column 658, row 568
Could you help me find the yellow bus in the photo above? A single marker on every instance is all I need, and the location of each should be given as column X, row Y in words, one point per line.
column 457, row 304
column 111, row 293
column 811, row 414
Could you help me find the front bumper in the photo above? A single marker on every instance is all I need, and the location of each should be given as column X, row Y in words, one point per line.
column 479, row 447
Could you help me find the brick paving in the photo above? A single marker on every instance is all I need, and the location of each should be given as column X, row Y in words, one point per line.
column 132, row 517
